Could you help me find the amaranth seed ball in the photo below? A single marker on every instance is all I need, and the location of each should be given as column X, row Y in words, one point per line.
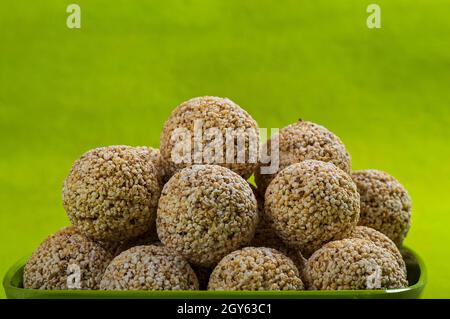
column 255, row 269
column 213, row 113
column 60, row 256
column 380, row 240
column 302, row 141
column 111, row 193
column 149, row 268
column 206, row 212
column 385, row 204
column 353, row 264
column 310, row 203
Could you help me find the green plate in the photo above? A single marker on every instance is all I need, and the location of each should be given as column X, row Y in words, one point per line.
column 416, row 277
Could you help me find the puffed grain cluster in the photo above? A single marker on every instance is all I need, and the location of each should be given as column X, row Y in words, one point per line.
column 112, row 193
column 310, row 203
column 214, row 113
column 380, row 240
column 149, row 268
column 353, row 264
column 385, row 204
column 206, row 212
column 60, row 256
column 255, row 269
column 302, row 141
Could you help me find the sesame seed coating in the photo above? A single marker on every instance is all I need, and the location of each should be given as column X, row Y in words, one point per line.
column 302, row 141
column 206, row 212
column 353, row 264
column 215, row 112
column 111, row 193
column 380, row 240
column 310, row 203
column 254, row 268
column 154, row 156
column 385, row 204
column 149, row 268
column 51, row 263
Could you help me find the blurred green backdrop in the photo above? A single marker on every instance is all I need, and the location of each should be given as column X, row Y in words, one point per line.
column 385, row 92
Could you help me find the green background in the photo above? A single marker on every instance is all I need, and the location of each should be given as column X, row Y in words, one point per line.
column 385, row 92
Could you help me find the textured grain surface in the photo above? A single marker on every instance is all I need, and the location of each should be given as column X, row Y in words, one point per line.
column 153, row 155
column 380, row 240
column 353, row 264
column 149, row 268
column 50, row 264
column 111, row 193
column 311, row 203
column 255, row 269
column 206, row 212
column 215, row 112
column 385, row 204
column 302, row 141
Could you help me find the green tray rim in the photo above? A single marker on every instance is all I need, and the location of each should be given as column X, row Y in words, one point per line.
column 14, row 292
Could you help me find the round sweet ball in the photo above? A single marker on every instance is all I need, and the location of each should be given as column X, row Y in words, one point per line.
column 311, row 203
column 301, row 141
column 197, row 128
column 380, row 240
column 353, row 264
column 206, row 212
column 66, row 260
column 149, row 268
column 255, row 269
column 385, row 204
column 111, row 193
